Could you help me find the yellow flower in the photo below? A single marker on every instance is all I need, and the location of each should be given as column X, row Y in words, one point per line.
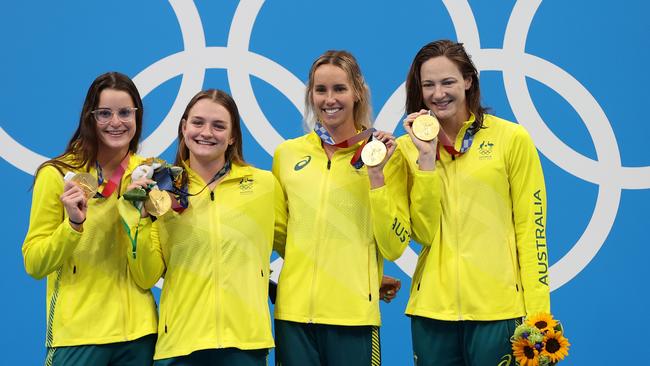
column 542, row 321
column 556, row 347
column 525, row 352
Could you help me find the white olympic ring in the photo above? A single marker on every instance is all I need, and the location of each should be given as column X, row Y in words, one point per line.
column 240, row 63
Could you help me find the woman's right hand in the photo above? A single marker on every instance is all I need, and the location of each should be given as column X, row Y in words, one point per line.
column 75, row 203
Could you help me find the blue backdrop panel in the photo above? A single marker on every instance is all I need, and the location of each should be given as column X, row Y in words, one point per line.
column 573, row 73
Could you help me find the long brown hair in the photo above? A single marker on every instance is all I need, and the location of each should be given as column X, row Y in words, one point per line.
column 455, row 52
column 82, row 148
column 234, row 152
column 343, row 59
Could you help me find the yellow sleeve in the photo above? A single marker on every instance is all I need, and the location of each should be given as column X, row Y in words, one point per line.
column 389, row 210
column 50, row 239
column 280, row 232
column 144, row 255
column 281, row 209
column 425, row 194
column 528, row 194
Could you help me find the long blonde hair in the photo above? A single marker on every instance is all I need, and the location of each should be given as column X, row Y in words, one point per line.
column 343, row 59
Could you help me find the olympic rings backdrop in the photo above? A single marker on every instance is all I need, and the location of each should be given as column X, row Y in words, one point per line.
column 570, row 72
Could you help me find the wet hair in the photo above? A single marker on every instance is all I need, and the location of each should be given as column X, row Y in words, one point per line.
column 234, row 152
column 81, row 151
column 456, row 53
column 345, row 61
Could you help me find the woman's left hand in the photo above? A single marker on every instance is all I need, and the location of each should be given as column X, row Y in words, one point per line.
column 427, row 149
column 376, row 173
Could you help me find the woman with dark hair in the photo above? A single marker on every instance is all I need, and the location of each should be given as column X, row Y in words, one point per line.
column 215, row 255
column 96, row 313
column 344, row 218
column 486, row 266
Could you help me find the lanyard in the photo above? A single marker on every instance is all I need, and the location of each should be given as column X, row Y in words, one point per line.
column 448, row 145
column 226, row 168
column 326, row 138
column 115, row 179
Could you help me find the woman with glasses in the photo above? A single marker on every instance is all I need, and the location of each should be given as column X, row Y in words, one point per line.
column 214, row 255
column 344, row 218
column 487, row 265
column 96, row 313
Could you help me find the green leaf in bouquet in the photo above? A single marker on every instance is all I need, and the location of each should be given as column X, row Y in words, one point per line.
column 136, row 195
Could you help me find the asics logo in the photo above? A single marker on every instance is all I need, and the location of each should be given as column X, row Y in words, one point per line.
column 302, row 163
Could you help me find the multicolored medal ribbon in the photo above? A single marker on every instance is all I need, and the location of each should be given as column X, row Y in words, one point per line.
column 363, row 135
column 115, row 179
column 223, row 171
column 448, row 145
column 220, row 173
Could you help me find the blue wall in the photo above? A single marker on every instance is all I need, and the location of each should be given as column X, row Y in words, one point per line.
column 573, row 73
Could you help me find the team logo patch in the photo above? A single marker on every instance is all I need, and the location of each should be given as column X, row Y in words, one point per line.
column 485, row 150
column 302, row 163
column 246, row 185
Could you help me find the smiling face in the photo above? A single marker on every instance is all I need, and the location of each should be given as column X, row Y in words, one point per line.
column 207, row 132
column 333, row 97
column 443, row 90
column 115, row 135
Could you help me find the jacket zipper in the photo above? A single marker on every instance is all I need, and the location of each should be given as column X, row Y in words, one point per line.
column 456, row 231
column 214, row 218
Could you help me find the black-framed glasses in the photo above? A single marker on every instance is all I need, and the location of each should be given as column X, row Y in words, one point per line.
column 105, row 115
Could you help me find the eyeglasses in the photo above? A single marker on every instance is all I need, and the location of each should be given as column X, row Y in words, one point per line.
column 105, row 115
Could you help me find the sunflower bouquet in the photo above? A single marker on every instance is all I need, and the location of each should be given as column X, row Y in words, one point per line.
column 539, row 341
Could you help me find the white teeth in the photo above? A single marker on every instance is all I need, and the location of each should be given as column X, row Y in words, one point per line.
column 332, row 110
column 201, row 142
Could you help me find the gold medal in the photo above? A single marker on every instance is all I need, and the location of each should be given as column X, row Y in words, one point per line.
column 426, row 127
column 158, row 202
column 373, row 153
column 87, row 182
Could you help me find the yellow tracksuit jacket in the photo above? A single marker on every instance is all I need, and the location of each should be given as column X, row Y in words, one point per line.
column 488, row 259
column 91, row 295
column 215, row 259
column 338, row 232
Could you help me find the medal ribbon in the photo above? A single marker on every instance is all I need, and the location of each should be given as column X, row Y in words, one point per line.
column 115, row 180
column 184, row 194
column 448, row 145
column 363, row 135
column 220, row 173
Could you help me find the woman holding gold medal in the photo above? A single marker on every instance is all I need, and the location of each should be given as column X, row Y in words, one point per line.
column 486, row 267
column 96, row 313
column 215, row 255
column 345, row 215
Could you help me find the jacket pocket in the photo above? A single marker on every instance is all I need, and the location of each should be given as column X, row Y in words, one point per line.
column 512, row 252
